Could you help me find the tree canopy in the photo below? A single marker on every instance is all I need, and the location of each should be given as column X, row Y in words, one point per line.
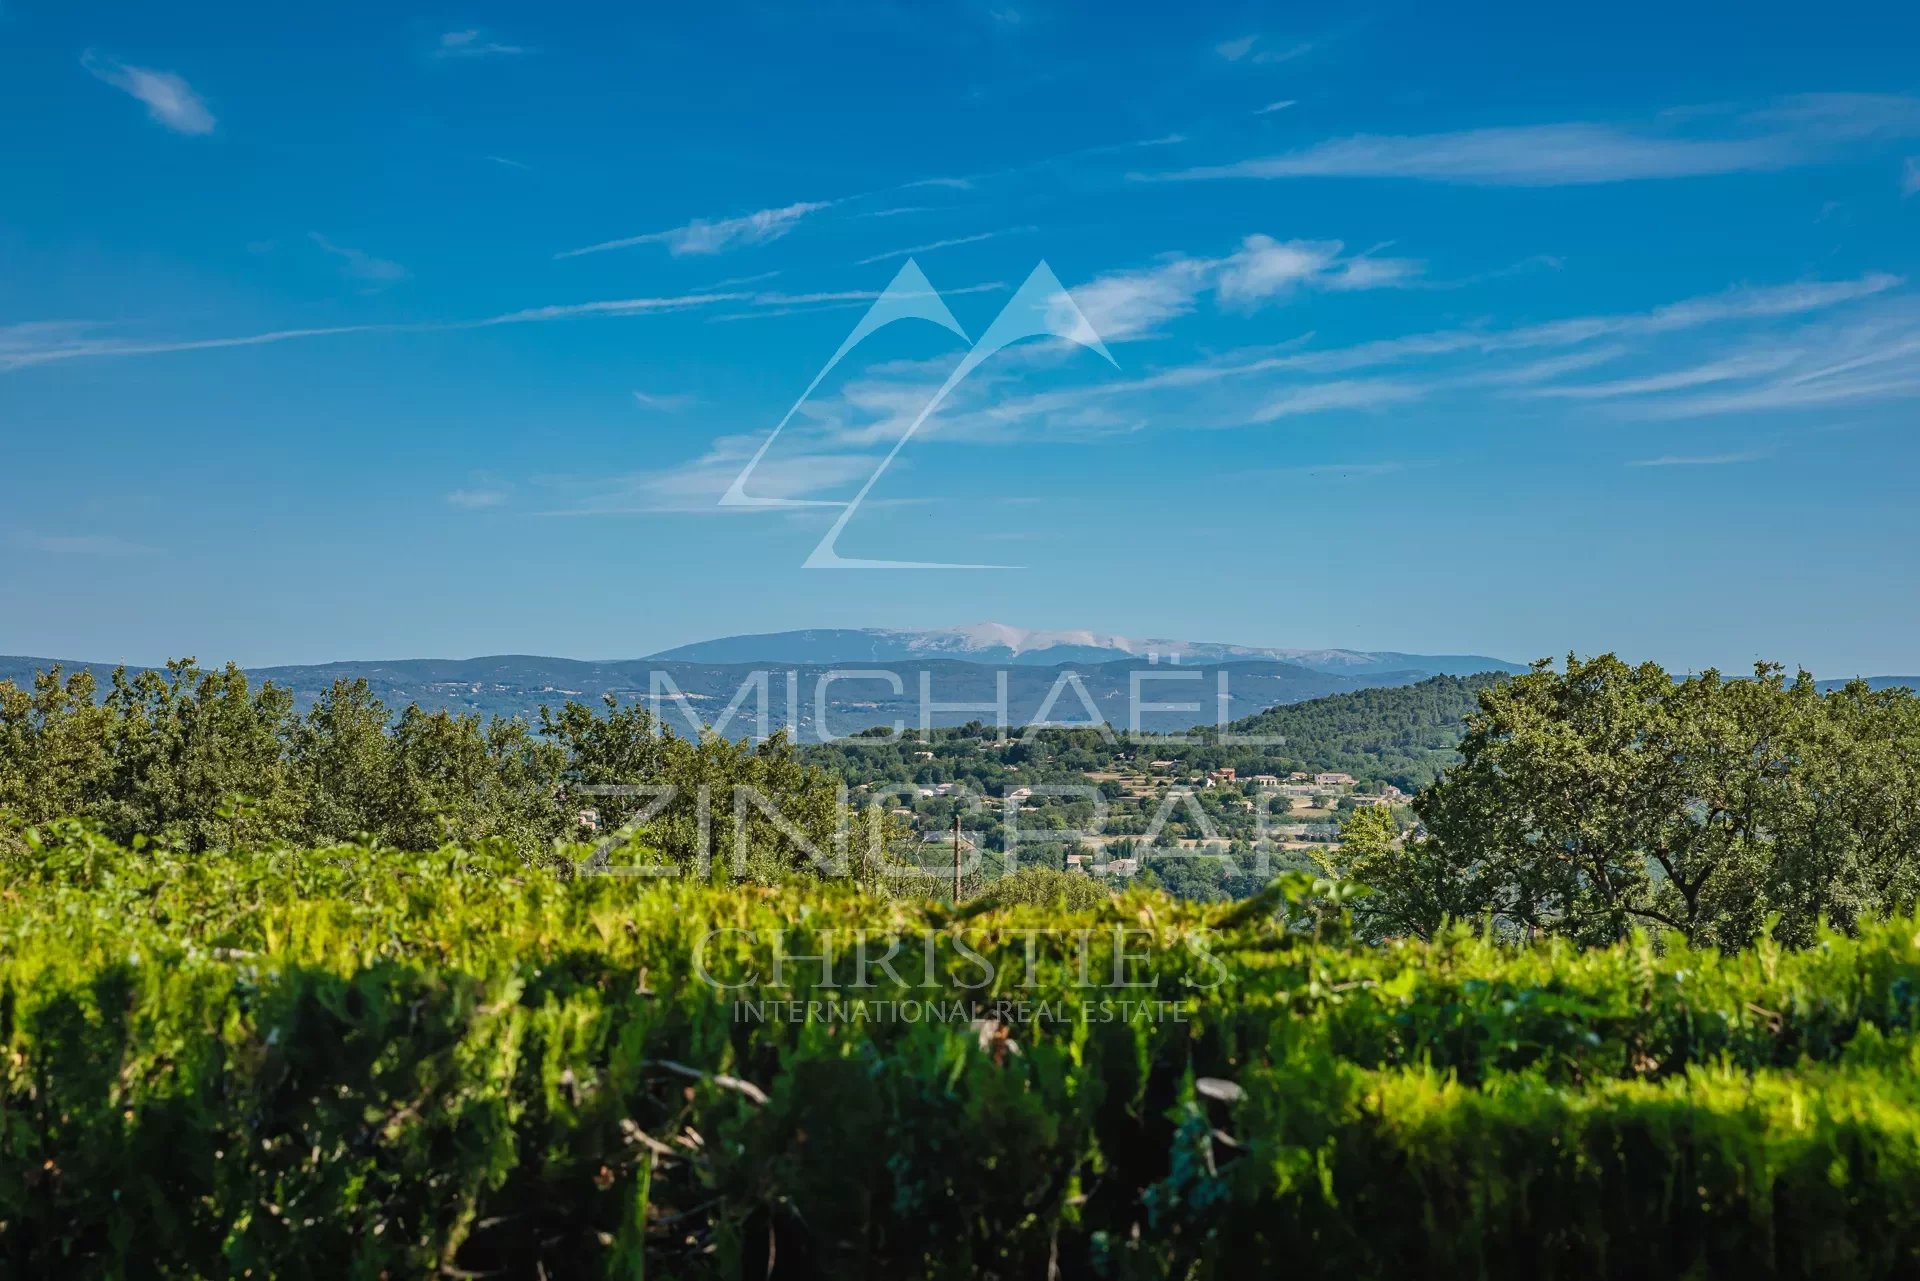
column 201, row 760
column 1604, row 797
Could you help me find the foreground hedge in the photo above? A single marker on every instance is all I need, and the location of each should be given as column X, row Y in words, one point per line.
column 351, row 1063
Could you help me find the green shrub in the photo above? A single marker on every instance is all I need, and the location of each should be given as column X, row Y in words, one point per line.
column 1048, row 887
column 353, row 1063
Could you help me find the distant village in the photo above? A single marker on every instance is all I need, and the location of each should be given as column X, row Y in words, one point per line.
column 1296, row 811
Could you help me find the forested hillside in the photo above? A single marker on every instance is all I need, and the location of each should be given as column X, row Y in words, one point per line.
column 1404, row 736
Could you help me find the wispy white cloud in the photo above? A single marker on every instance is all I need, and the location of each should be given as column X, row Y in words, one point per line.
column 1255, row 48
column 1730, row 369
column 105, row 545
column 703, row 237
column 835, row 435
column 1910, row 177
column 667, row 402
column 506, row 163
column 770, row 305
column 697, row 484
column 24, row 338
column 1041, row 165
column 1286, row 54
column 1852, row 360
column 67, row 343
column 1872, row 358
column 1791, row 132
column 1280, row 105
column 1842, row 117
column 1318, row 398
column 477, row 499
column 169, row 99
column 1703, row 460
column 1372, row 272
column 472, row 43
column 359, row 264
column 1531, row 263
column 867, row 295
column 1277, row 382
column 1346, row 471
column 1757, row 303
column 603, row 307
column 77, row 346
column 732, row 282
column 1881, row 387
column 1131, row 304
column 1546, row 370
column 874, row 408
column 1264, row 267
column 46, row 342
column 1540, row 155
column 940, row 244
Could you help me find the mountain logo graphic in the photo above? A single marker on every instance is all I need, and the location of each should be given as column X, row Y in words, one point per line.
column 1040, row 308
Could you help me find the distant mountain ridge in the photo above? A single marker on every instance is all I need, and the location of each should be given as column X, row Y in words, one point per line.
column 879, row 693
column 1873, row 682
column 998, row 643
column 959, row 663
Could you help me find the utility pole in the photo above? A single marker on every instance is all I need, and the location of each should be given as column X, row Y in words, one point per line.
column 956, row 859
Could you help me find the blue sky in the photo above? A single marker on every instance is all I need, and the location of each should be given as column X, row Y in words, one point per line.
column 1515, row 329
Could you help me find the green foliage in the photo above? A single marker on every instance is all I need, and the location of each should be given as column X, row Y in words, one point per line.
column 201, row 761
column 1402, row 735
column 1202, row 878
column 1605, row 797
column 1049, row 887
column 355, row 1062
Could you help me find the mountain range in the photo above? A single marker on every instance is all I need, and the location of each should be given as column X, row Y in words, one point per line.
column 846, row 696
column 997, row 643
column 958, row 664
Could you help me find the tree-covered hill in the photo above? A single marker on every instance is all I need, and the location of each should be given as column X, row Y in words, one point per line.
column 1404, row 736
